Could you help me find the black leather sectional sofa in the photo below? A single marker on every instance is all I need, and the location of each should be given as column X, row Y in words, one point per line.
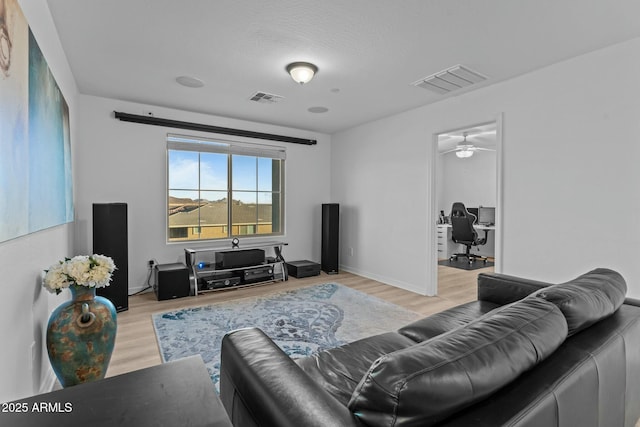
column 526, row 353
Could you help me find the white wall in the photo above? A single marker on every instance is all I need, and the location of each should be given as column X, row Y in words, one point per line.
column 25, row 305
column 126, row 162
column 570, row 194
column 378, row 175
column 471, row 180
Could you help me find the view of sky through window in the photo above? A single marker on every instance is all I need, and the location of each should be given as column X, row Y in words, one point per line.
column 205, row 187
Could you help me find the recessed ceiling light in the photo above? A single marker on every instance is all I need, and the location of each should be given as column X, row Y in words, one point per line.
column 189, row 81
column 317, row 109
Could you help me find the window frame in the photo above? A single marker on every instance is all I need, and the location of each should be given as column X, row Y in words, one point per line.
column 228, row 147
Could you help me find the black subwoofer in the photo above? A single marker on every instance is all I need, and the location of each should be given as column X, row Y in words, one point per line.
column 171, row 281
column 330, row 233
column 110, row 239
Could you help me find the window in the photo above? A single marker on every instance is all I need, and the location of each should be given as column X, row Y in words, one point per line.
column 219, row 189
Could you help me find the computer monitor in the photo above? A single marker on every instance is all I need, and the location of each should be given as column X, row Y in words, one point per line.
column 486, row 216
column 474, row 212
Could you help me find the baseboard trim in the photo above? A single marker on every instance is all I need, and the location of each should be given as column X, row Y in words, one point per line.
column 386, row 280
column 48, row 383
column 133, row 291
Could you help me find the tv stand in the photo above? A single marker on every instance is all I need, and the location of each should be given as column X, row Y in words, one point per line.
column 207, row 273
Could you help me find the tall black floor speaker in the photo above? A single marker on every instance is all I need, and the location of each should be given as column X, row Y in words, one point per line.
column 110, row 239
column 330, row 233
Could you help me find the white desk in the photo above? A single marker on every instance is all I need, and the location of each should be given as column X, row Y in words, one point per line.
column 447, row 247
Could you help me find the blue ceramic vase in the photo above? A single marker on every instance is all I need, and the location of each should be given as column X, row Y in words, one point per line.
column 80, row 337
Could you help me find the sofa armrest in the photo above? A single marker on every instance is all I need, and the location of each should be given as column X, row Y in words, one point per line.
column 260, row 385
column 632, row 301
column 504, row 289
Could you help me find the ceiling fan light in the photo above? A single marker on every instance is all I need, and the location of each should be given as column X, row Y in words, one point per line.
column 463, row 154
column 302, row 72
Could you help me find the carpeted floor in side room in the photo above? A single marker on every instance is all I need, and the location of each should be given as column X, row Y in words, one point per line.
column 463, row 264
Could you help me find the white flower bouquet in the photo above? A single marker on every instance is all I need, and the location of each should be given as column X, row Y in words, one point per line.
column 93, row 271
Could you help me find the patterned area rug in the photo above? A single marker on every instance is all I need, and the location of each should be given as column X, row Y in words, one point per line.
column 301, row 322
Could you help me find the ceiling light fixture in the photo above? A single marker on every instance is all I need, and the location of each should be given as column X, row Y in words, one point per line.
column 464, row 149
column 302, row 72
column 464, row 153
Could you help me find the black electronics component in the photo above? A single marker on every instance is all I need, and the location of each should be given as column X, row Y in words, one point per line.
column 257, row 274
column 110, row 239
column 219, row 281
column 239, row 258
column 330, row 230
column 303, row 268
column 171, row 281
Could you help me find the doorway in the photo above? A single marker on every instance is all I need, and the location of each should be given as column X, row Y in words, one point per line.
column 467, row 169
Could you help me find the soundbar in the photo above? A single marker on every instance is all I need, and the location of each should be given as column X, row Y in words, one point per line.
column 237, row 259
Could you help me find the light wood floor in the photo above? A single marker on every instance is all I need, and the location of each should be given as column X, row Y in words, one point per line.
column 136, row 346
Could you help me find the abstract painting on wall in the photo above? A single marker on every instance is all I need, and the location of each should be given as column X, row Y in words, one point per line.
column 36, row 187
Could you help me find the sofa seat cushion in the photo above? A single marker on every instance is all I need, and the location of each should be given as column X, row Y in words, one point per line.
column 588, row 298
column 424, row 384
column 338, row 370
column 439, row 323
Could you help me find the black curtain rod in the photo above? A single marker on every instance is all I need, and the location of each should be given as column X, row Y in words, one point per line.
column 157, row 121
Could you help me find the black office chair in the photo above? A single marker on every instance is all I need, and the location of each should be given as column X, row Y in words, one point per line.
column 462, row 232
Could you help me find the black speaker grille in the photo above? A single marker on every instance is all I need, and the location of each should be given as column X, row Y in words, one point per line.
column 330, row 237
column 110, row 239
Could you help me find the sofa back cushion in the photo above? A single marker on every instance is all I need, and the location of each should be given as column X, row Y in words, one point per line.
column 425, row 383
column 586, row 299
column 444, row 321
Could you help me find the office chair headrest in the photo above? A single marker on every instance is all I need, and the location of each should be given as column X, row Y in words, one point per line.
column 458, row 209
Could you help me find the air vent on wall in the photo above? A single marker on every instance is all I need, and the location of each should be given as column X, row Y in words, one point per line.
column 265, row 98
column 450, row 79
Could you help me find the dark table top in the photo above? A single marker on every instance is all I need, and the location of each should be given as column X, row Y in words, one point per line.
column 173, row 394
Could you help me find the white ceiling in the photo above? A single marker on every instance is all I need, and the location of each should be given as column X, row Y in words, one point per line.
column 368, row 51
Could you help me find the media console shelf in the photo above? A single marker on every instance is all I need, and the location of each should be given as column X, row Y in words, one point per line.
column 214, row 269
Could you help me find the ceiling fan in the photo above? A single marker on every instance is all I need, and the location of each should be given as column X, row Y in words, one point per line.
column 466, row 149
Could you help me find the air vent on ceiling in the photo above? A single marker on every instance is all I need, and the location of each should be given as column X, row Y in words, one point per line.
column 265, row 98
column 450, row 79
